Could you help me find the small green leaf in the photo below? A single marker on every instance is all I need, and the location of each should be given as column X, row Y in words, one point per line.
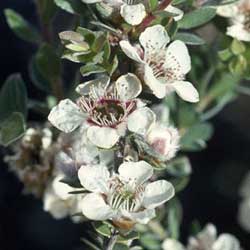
column 238, row 47
column 197, row 18
column 153, row 4
column 89, row 69
column 196, row 136
column 189, row 38
column 21, row 27
column 225, row 54
column 48, row 63
column 37, row 78
column 174, row 218
column 71, row 6
column 150, row 241
column 12, row 128
column 13, row 96
column 179, row 167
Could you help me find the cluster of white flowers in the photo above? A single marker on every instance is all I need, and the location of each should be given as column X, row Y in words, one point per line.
column 108, row 111
column 207, row 239
column 239, row 15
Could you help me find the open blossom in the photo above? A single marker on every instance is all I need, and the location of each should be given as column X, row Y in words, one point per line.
column 163, row 67
column 126, row 197
column 207, row 239
column 59, row 202
column 132, row 13
column 164, row 140
column 239, row 15
column 107, row 111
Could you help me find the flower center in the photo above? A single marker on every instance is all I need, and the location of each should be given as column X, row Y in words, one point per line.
column 169, row 70
column 106, row 111
column 124, row 196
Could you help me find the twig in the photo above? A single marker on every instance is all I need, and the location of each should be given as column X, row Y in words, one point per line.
column 110, row 243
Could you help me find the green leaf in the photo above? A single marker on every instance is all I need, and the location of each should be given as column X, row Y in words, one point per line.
column 37, row 78
column 197, row 18
column 238, row 47
column 21, row 27
column 89, row 35
column 189, row 38
column 179, row 167
column 225, row 54
column 12, row 128
column 71, row 6
column 174, row 218
column 89, row 69
column 196, row 136
column 150, row 241
column 48, row 63
column 13, row 96
column 153, row 4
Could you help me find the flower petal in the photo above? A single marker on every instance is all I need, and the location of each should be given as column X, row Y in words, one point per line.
column 94, row 178
column 226, row 242
column 172, row 244
column 91, row 1
column 154, row 38
column 142, row 217
column 54, row 205
column 141, row 120
column 128, row 86
column 157, row 193
column 239, row 32
column 179, row 13
column 62, row 189
column 186, row 91
column 103, row 137
column 99, row 85
column 94, row 207
column 136, row 172
column 177, row 57
column 130, row 51
column 66, row 116
column 133, row 14
column 227, row 10
column 158, row 88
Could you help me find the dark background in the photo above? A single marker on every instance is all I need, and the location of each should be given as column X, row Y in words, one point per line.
column 211, row 196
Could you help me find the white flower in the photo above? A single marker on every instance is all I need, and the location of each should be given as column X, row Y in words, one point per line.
column 108, row 111
column 126, row 197
column 164, row 68
column 164, row 140
column 239, row 15
column 244, row 207
column 172, row 244
column 58, row 202
column 207, row 240
column 132, row 13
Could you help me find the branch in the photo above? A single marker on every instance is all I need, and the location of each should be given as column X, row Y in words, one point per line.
column 109, row 245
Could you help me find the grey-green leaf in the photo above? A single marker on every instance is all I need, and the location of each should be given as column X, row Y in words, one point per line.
column 12, row 128
column 189, row 38
column 197, row 18
column 21, row 27
column 13, row 96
